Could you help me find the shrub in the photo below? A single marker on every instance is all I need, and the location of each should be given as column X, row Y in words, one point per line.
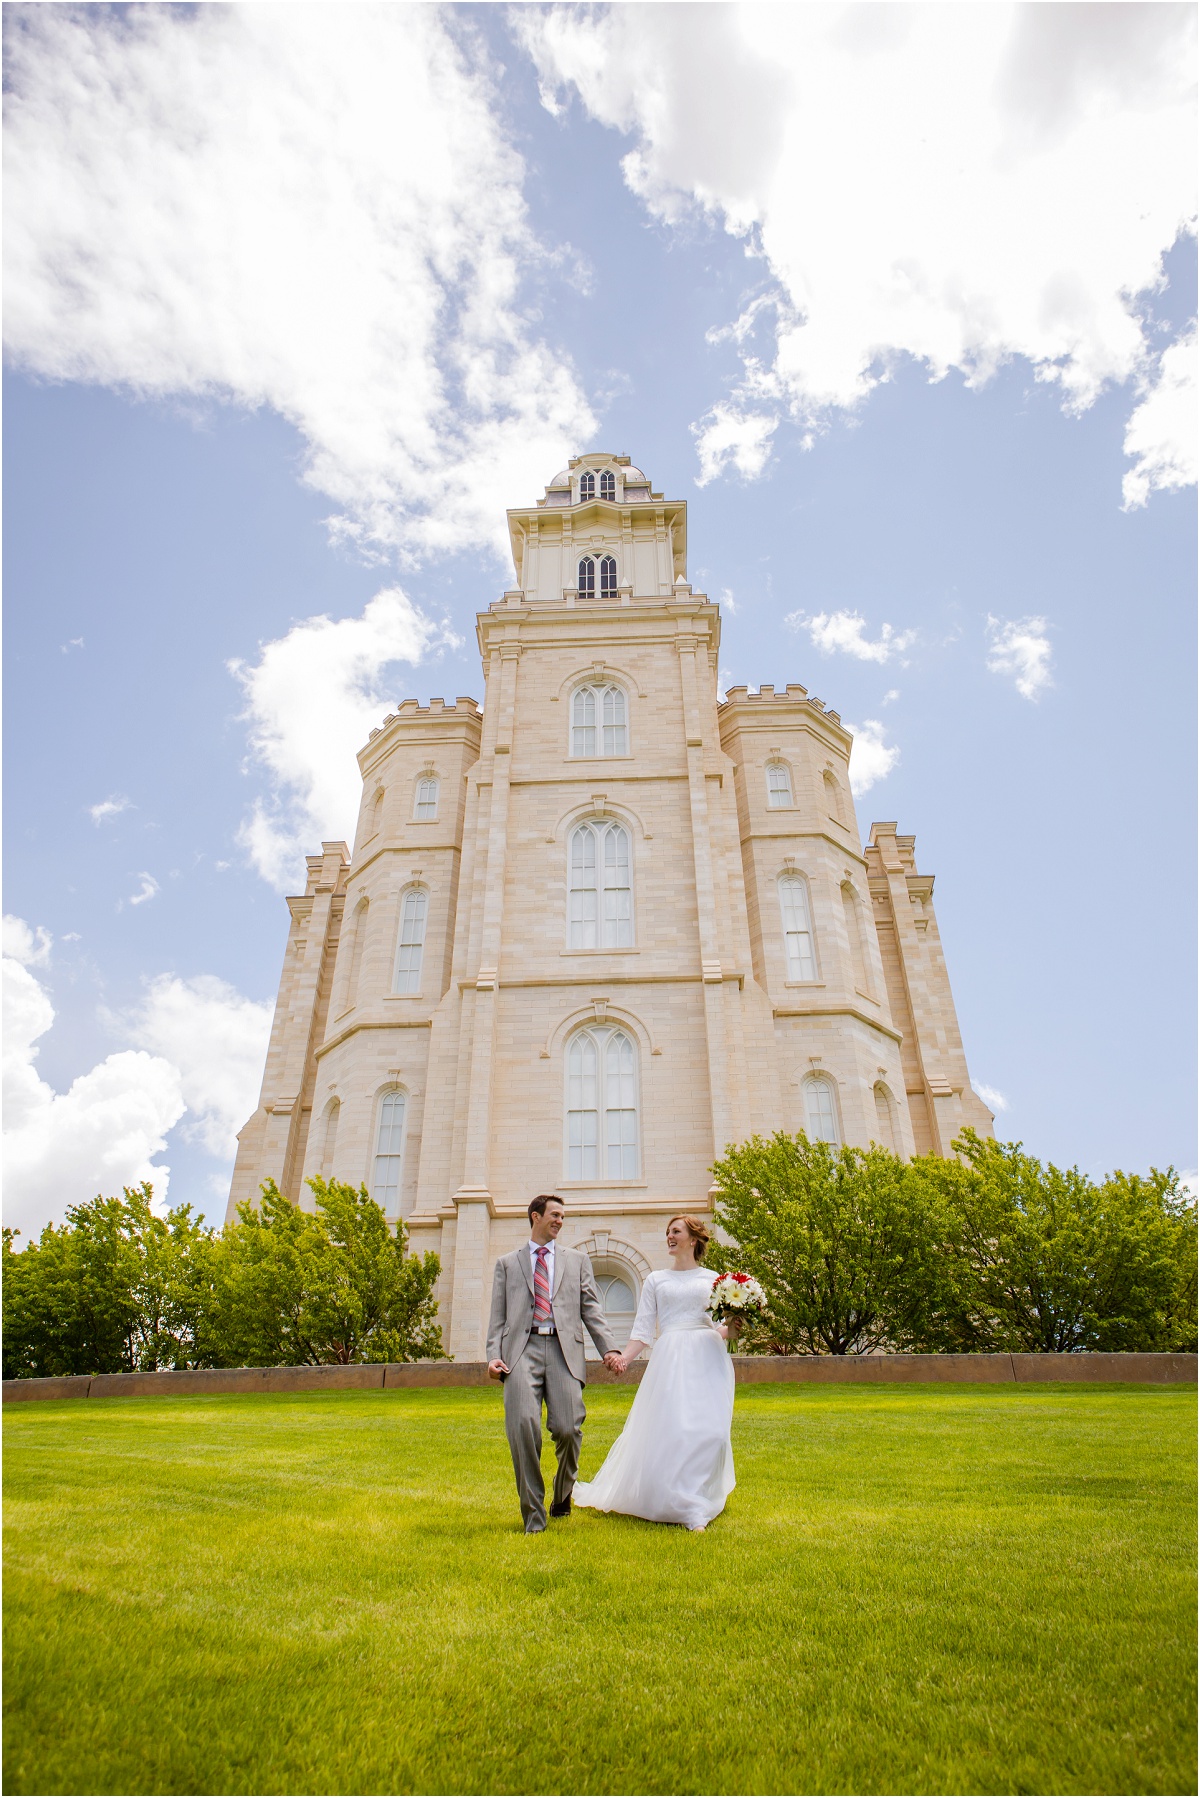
column 850, row 1250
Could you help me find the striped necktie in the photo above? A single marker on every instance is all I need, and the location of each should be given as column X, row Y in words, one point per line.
column 541, row 1289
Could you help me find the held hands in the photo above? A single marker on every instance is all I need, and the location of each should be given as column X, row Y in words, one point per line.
column 615, row 1363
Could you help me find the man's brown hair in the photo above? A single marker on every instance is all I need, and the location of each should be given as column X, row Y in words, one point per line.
column 537, row 1206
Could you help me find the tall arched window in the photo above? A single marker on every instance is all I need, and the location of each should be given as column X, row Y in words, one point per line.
column 779, row 784
column 608, row 577
column 333, row 1112
column 602, row 1106
column 587, row 485
column 833, row 797
column 884, row 1126
column 358, row 944
column 600, row 889
column 820, row 1110
column 586, row 579
column 598, row 724
column 389, row 1151
column 411, row 946
column 858, row 953
column 797, row 928
column 608, row 485
column 377, row 813
column 427, row 799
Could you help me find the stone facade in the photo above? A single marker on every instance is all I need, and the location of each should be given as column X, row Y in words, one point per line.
column 581, row 957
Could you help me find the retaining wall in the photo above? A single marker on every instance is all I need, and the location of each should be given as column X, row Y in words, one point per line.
column 800, row 1370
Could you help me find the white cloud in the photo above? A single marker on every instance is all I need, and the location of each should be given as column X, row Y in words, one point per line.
column 995, row 1101
column 1020, row 647
column 728, row 602
column 957, row 184
column 21, row 944
column 1161, row 433
column 311, row 698
column 727, row 437
column 312, row 208
column 831, row 631
column 893, row 693
column 70, row 644
column 112, row 807
column 217, row 1040
column 871, row 759
column 100, row 1135
column 147, row 890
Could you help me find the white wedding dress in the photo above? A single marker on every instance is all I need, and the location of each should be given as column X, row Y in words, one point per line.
column 673, row 1462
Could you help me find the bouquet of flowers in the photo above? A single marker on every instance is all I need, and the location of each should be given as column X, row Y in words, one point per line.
column 736, row 1296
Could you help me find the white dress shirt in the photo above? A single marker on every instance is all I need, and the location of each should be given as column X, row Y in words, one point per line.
column 533, row 1255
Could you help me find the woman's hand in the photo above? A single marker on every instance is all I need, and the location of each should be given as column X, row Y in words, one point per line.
column 731, row 1330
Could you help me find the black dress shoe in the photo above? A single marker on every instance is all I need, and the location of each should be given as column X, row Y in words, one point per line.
column 561, row 1510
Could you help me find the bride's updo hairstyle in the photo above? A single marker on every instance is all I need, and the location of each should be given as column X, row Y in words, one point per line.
column 699, row 1232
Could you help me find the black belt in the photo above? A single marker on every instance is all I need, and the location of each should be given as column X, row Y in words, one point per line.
column 545, row 1330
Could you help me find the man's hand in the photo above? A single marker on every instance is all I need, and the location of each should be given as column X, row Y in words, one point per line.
column 614, row 1362
column 497, row 1369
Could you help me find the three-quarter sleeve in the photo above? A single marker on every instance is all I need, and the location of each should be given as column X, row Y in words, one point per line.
column 645, row 1324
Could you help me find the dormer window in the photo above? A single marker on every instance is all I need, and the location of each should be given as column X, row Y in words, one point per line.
column 608, row 485
column 587, row 485
column 587, row 578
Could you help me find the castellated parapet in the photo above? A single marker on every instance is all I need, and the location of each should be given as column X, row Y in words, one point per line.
column 600, row 929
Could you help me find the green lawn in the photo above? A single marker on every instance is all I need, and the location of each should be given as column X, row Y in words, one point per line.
column 913, row 1589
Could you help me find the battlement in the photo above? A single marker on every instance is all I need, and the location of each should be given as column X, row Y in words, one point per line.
column 464, row 705
column 766, row 694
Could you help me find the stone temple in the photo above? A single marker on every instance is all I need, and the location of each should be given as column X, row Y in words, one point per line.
column 597, row 929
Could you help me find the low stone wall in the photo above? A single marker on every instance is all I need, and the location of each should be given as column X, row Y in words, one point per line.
column 796, row 1370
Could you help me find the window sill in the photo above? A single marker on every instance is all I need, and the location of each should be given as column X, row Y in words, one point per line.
column 602, row 1185
column 812, row 986
column 423, row 820
column 401, row 998
column 571, row 952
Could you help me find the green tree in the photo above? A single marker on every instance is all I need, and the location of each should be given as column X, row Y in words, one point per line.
column 112, row 1289
column 1049, row 1261
column 294, row 1287
column 850, row 1251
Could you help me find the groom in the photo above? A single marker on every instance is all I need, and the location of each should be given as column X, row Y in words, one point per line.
column 542, row 1295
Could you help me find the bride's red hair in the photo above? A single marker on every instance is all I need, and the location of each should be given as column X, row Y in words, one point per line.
column 699, row 1232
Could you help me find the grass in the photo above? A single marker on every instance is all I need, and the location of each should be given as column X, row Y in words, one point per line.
column 913, row 1589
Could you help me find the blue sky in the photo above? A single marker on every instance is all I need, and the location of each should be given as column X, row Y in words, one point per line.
column 937, row 470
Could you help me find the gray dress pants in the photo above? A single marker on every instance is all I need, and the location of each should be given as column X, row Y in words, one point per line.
column 542, row 1375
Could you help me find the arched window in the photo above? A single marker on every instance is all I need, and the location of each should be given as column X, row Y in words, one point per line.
column 377, row 813
column 358, row 944
column 587, row 485
column 427, row 799
column 858, row 955
column 389, row 1151
column 619, row 1302
column 779, row 784
column 329, row 1146
column 833, row 797
column 884, row 1125
column 608, row 577
column 600, row 888
column 608, row 485
column 797, row 928
column 820, row 1110
column 598, row 724
column 602, row 1107
column 586, row 583
column 411, row 947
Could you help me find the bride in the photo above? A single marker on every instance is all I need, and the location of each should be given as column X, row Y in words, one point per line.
column 673, row 1463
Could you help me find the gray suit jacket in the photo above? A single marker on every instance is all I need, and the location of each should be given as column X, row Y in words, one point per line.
column 575, row 1302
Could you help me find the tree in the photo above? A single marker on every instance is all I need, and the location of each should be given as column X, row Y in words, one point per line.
column 112, row 1289
column 1048, row 1261
column 850, row 1252
column 297, row 1288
